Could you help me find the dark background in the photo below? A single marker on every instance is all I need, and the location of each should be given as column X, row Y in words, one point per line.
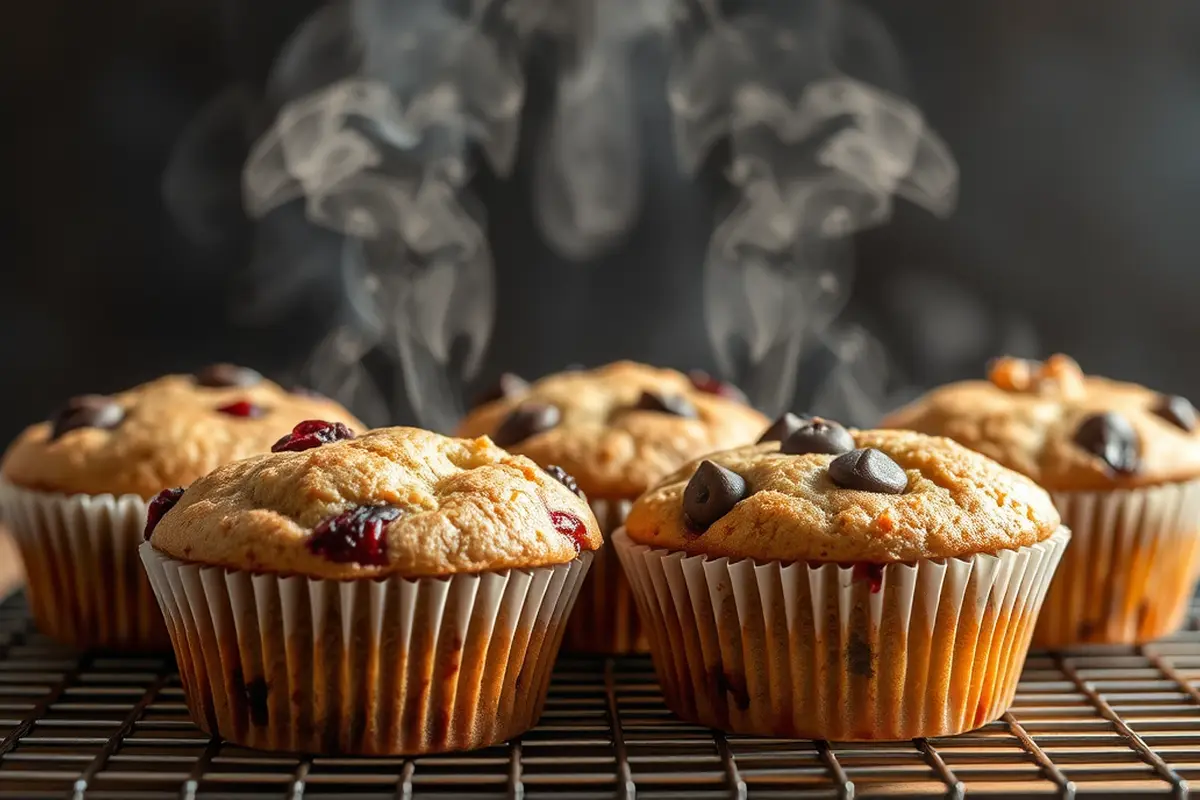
column 1076, row 126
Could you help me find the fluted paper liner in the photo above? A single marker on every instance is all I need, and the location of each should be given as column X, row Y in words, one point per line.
column 822, row 651
column 1131, row 569
column 605, row 619
column 86, row 585
column 393, row 666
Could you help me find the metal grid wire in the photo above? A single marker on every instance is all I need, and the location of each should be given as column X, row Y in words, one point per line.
column 1104, row 722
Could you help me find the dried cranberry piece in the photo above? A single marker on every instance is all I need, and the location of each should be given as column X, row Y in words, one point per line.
column 312, row 433
column 570, row 526
column 354, row 536
column 163, row 502
column 242, row 408
column 710, row 385
column 871, row 573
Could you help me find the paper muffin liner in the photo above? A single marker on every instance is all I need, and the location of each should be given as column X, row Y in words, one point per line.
column 394, row 666
column 86, row 586
column 1131, row 569
column 606, row 618
column 822, row 651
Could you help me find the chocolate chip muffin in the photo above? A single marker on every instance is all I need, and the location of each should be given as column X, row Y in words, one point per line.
column 1123, row 465
column 75, row 489
column 617, row 429
column 397, row 593
column 841, row 584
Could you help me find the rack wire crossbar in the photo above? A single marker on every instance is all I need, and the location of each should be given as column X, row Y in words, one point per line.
column 1103, row 722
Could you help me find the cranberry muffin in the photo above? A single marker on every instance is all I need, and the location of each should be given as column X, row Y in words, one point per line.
column 75, row 489
column 841, row 584
column 617, row 429
column 397, row 593
column 1122, row 463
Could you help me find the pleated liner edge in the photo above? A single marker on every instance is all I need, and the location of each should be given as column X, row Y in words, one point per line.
column 372, row 667
column 822, row 651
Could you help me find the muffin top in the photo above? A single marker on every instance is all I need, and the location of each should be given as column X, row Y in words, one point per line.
column 395, row 501
column 831, row 494
column 1067, row 431
column 618, row 428
column 164, row 433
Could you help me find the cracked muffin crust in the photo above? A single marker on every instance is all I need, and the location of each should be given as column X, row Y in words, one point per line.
column 1067, row 431
column 618, row 428
column 843, row 506
column 395, row 501
column 164, row 433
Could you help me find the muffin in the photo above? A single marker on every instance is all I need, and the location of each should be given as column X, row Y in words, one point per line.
column 74, row 490
column 398, row 593
column 1122, row 463
column 846, row 585
column 617, row 429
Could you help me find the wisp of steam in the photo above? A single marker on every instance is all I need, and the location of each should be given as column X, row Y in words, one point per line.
column 382, row 101
column 588, row 170
column 381, row 104
column 816, row 156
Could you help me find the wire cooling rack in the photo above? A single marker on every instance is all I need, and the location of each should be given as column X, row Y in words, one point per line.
column 1104, row 723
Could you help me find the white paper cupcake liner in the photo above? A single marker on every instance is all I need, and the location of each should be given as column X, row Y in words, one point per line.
column 821, row 651
column 86, row 585
column 366, row 667
column 1131, row 569
column 606, row 619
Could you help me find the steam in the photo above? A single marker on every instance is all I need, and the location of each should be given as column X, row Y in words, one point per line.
column 382, row 102
column 588, row 171
column 816, row 156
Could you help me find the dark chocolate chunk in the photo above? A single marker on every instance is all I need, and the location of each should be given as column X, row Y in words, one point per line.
column 784, row 427
column 711, row 493
column 87, row 411
column 565, row 478
column 508, row 385
column 526, row 420
column 675, row 404
column 818, row 436
column 1177, row 410
column 226, row 375
column 868, row 470
column 1111, row 438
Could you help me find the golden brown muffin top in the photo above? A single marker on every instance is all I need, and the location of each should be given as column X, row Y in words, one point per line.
column 618, row 428
column 898, row 496
column 1067, row 431
column 395, row 501
column 164, row 433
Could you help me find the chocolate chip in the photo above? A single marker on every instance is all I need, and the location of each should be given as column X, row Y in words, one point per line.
column 87, row 411
column 565, row 478
column 526, row 420
column 818, row 436
column 508, row 385
column 225, row 375
column 1111, row 438
column 868, row 470
column 675, row 404
column 783, row 427
column 711, row 493
column 1177, row 410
